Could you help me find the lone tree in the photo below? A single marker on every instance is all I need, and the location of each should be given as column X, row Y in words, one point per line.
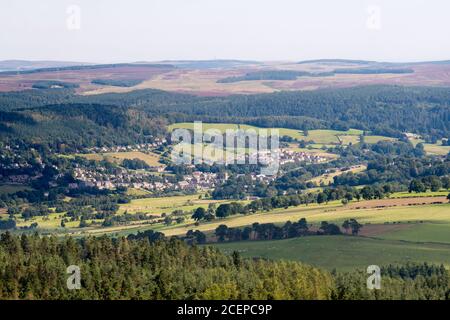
column 417, row 186
column 221, row 232
column 346, row 226
column 355, row 226
column 329, row 228
column 199, row 214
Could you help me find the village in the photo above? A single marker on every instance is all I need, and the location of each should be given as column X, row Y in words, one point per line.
column 155, row 178
column 166, row 181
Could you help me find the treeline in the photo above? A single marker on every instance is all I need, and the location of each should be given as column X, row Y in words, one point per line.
column 47, row 84
column 117, row 82
column 373, row 71
column 345, row 194
column 269, row 231
column 273, row 75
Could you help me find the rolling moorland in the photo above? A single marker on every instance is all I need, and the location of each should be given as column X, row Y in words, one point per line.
column 86, row 170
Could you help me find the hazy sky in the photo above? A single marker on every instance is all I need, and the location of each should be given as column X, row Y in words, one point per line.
column 136, row 30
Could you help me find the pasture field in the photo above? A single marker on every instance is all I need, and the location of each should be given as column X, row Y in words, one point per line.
column 333, row 136
column 397, row 202
column 343, row 253
column 50, row 222
column 436, row 149
column 442, row 193
column 151, row 159
column 376, row 139
column 157, row 206
column 137, row 192
column 328, row 177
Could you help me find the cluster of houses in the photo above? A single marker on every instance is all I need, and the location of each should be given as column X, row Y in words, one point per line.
column 285, row 156
column 291, row 156
column 143, row 180
column 194, row 181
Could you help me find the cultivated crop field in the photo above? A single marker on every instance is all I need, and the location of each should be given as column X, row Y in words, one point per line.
column 344, row 253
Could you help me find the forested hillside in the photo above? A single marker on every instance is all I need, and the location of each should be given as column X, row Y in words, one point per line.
column 384, row 110
column 33, row 267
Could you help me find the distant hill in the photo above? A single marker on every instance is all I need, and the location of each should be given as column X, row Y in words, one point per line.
column 87, row 67
column 210, row 64
column 22, row 65
column 337, row 61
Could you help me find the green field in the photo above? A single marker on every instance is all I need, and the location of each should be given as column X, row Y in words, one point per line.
column 50, row 222
column 406, row 194
column 375, row 139
column 151, row 159
column 342, row 252
column 328, row 177
column 436, row 149
column 426, row 232
column 157, row 206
